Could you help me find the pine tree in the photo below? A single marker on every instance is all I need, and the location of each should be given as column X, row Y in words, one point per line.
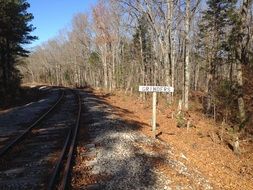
column 14, row 33
column 142, row 46
column 215, row 23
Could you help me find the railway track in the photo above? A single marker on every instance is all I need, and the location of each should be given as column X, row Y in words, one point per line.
column 40, row 157
column 12, row 141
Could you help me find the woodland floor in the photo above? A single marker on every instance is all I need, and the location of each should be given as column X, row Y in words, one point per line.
column 200, row 147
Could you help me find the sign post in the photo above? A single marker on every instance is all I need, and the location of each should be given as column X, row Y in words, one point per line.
column 155, row 89
column 154, row 113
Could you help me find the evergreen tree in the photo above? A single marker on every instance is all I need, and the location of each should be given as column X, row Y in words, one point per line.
column 14, row 33
column 216, row 22
column 142, row 45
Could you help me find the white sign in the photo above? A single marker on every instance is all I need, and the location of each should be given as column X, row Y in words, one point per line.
column 156, row 89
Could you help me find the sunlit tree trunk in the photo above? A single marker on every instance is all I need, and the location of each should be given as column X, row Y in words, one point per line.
column 104, row 60
column 187, row 58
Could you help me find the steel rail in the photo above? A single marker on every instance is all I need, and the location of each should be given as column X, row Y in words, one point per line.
column 10, row 145
column 66, row 171
column 56, row 171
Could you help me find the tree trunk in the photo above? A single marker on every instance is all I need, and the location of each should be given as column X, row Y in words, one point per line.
column 187, row 58
column 105, row 71
column 196, row 77
column 240, row 100
column 113, row 69
column 171, row 44
column 143, row 95
column 239, row 58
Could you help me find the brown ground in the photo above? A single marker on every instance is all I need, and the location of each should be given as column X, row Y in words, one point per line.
column 201, row 145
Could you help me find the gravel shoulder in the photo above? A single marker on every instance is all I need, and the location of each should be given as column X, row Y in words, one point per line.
column 113, row 154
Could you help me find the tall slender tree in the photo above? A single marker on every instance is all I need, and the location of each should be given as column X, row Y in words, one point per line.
column 187, row 57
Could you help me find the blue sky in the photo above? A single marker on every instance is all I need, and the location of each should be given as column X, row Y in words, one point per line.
column 50, row 16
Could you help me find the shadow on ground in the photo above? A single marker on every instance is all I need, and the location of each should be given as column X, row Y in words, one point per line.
column 125, row 158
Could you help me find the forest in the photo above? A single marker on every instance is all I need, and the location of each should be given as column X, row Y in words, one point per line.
column 74, row 113
column 196, row 47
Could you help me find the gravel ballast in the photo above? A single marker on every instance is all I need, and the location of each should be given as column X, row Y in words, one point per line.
column 123, row 158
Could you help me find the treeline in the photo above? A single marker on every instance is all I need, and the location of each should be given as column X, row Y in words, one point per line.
column 190, row 45
column 14, row 34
